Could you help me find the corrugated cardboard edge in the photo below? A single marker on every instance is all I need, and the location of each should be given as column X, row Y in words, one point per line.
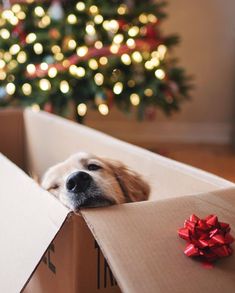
column 99, row 222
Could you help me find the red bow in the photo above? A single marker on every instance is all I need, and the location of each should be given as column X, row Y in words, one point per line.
column 207, row 238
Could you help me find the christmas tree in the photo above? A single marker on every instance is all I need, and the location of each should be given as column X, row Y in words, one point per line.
column 65, row 56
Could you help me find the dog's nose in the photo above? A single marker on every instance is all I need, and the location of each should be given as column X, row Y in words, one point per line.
column 78, row 181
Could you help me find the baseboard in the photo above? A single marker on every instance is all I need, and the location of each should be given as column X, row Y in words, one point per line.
column 151, row 133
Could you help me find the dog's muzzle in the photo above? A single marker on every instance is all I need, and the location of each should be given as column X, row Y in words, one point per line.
column 84, row 192
column 78, row 182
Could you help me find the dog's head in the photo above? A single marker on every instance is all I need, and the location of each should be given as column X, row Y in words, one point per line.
column 84, row 180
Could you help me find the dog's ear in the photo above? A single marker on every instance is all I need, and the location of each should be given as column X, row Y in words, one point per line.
column 134, row 187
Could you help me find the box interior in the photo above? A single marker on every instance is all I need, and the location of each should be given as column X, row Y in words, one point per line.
column 36, row 141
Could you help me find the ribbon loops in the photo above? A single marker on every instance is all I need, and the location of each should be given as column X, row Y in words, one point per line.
column 207, row 238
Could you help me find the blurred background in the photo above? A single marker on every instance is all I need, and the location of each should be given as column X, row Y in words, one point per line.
column 183, row 110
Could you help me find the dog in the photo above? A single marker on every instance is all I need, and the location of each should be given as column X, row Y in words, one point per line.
column 85, row 180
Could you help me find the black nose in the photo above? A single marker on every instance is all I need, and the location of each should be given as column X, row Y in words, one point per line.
column 78, row 181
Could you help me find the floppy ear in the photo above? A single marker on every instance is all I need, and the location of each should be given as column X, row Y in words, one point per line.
column 134, row 187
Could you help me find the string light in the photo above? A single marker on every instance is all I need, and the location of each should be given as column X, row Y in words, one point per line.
column 44, row 66
column 59, row 56
column 11, row 78
column 126, row 59
column 73, row 69
column 152, row 18
column 148, row 92
column 118, row 38
column 72, row 44
column 82, row 109
column 117, row 88
column 38, row 48
column 30, row 38
column 93, row 64
column 155, row 62
column 27, row 89
column 13, row 20
column 99, row 78
column 31, row 68
column 80, row 6
column 143, row 18
column 52, row 72
column 160, row 74
column 7, row 14
column 130, row 43
column 82, row 51
column 103, row 109
column 35, row 107
column 5, row 34
column 94, row 9
column 80, row 71
column 106, row 25
column 90, row 29
column 122, row 9
column 2, row 75
column 137, row 57
column 135, row 99
column 98, row 44
column 72, row 18
column 46, row 20
column 45, row 84
column 149, row 65
column 39, row 11
column 21, row 15
column 66, row 63
column 103, row 60
column 22, row 57
column 14, row 49
column 98, row 19
column 12, row 64
column 111, row 25
column 162, row 49
column 2, row 64
column 133, row 31
column 16, row 8
column 55, row 49
column 64, row 86
column 10, row 88
column 114, row 48
column 7, row 56
column 131, row 83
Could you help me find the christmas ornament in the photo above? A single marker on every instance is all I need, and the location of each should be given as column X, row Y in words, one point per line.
column 2, row 93
column 55, row 11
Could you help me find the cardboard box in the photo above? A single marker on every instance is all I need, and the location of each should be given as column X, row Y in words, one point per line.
column 57, row 251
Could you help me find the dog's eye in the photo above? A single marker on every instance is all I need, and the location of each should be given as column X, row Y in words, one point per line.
column 93, row 167
column 55, row 186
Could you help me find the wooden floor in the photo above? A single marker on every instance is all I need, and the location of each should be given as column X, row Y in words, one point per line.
column 219, row 160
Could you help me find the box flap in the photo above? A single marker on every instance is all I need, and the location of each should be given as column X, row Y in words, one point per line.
column 30, row 218
column 143, row 249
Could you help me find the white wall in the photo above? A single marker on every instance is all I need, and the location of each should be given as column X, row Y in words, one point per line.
column 207, row 51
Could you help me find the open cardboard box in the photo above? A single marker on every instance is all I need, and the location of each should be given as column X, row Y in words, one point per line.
column 53, row 250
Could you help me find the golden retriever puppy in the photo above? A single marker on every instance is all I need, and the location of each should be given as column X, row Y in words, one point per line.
column 84, row 180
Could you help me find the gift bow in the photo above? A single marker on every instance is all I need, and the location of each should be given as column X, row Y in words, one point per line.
column 207, row 238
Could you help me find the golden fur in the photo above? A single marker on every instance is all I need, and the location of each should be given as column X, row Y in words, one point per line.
column 112, row 183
